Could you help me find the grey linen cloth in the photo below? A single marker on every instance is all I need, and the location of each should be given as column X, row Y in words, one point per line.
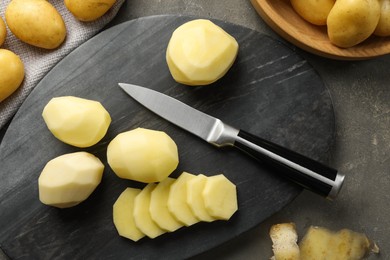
column 37, row 61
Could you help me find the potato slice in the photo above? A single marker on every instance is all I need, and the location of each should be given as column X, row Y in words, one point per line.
column 143, row 155
column 200, row 52
column 220, row 197
column 195, row 188
column 177, row 200
column 69, row 179
column 141, row 213
column 123, row 215
column 284, row 241
column 76, row 121
column 159, row 206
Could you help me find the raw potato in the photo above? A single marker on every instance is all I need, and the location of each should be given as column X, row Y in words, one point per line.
column 159, row 208
column 88, row 10
column 320, row 243
column 12, row 73
column 177, row 200
column 383, row 27
column 352, row 21
column 3, row 32
column 123, row 215
column 36, row 22
column 220, row 197
column 143, row 155
column 69, row 179
column 284, row 242
column 313, row 11
column 195, row 188
column 76, row 121
column 141, row 213
column 200, row 52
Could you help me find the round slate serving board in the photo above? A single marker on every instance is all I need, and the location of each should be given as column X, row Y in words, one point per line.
column 270, row 91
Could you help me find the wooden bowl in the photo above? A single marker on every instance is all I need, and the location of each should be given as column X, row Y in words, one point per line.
column 283, row 19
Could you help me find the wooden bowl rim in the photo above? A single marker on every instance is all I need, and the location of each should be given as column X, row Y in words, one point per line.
column 372, row 47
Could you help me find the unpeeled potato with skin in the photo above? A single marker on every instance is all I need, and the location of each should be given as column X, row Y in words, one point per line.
column 88, row 10
column 36, row 22
column 3, row 31
column 313, row 11
column 383, row 27
column 352, row 21
column 11, row 73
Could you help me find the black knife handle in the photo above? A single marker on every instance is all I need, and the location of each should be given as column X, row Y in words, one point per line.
column 304, row 171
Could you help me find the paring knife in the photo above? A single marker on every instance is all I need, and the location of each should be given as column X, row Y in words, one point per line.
column 304, row 171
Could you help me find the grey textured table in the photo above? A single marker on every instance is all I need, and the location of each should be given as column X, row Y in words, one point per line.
column 361, row 96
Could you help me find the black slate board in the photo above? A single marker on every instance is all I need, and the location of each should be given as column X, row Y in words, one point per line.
column 270, row 91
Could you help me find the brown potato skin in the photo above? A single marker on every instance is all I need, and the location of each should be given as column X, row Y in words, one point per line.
column 352, row 21
column 88, row 10
column 36, row 22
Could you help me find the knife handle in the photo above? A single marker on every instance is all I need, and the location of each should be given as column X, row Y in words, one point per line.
column 302, row 170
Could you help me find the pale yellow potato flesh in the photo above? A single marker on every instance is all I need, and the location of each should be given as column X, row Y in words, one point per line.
column 88, row 10
column 123, row 217
column 36, row 22
column 194, row 197
column 159, row 207
column 143, row 219
column 321, row 243
column 220, row 197
column 143, row 155
column 69, row 179
column 12, row 73
column 200, row 52
column 284, row 242
column 76, row 121
column 177, row 200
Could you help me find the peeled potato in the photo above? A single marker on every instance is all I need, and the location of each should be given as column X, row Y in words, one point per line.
column 143, row 155
column 159, row 208
column 36, row 22
column 141, row 213
column 195, row 201
column 177, row 200
column 284, row 241
column 3, row 32
column 313, row 11
column 76, row 121
column 220, row 197
column 12, row 73
column 200, row 52
column 69, row 179
column 88, row 10
column 123, row 215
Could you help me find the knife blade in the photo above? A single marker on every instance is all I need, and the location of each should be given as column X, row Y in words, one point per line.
column 304, row 171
